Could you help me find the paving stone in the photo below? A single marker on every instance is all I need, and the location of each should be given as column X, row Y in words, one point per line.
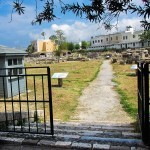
column 139, row 148
column 30, row 142
column 14, row 140
column 100, row 146
column 2, row 138
column 46, row 143
column 68, row 136
column 120, row 148
column 118, row 141
column 63, row 144
column 10, row 147
column 4, row 133
column 81, row 145
column 18, row 140
column 96, row 128
column 129, row 134
column 112, row 133
column 91, row 132
column 117, row 128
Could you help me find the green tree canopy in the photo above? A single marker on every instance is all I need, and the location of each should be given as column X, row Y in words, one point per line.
column 63, row 46
column 145, row 35
column 53, row 38
column 77, row 46
column 70, row 46
column 84, row 44
column 60, row 36
column 93, row 10
column 30, row 49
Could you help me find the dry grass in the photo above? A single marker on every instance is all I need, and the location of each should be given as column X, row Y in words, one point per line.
column 65, row 98
column 127, row 87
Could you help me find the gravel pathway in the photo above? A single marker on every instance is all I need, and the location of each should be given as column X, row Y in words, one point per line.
column 99, row 101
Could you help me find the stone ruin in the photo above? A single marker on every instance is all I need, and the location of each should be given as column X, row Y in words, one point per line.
column 131, row 56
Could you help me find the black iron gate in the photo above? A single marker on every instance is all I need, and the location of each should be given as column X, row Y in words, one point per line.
column 144, row 101
column 26, row 100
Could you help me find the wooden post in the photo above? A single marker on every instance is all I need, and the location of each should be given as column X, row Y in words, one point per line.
column 60, row 82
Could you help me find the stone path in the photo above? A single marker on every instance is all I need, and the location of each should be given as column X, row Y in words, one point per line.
column 100, row 102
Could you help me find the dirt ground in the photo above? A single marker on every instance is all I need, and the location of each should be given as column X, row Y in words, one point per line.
column 99, row 102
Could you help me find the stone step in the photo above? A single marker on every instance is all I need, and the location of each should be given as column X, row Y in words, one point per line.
column 76, row 136
column 99, row 133
column 74, row 142
column 81, row 130
column 91, row 127
column 96, row 128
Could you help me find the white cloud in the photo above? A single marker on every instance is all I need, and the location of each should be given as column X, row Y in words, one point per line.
column 78, row 31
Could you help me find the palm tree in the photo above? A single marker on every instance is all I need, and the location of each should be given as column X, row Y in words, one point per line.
column 43, row 34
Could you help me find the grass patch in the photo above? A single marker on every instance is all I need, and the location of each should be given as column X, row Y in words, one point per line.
column 65, row 99
column 126, row 86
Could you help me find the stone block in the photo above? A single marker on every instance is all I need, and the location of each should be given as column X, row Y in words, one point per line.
column 63, row 144
column 119, row 148
column 101, row 146
column 68, row 136
column 46, row 143
column 30, row 142
column 81, row 145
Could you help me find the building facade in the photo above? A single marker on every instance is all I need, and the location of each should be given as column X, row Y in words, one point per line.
column 120, row 40
column 11, row 66
column 46, row 46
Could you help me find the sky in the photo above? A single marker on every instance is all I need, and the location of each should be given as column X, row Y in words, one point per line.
column 19, row 32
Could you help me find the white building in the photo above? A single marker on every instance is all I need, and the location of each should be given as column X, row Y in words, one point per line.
column 120, row 40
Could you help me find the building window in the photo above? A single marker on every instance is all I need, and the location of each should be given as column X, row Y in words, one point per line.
column 126, row 37
column 98, row 41
column 133, row 44
column 133, row 36
column 15, row 61
column 116, row 37
column 19, row 61
column 106, row 39
column 101, row 41
column 111, row 38
column 10, row 62
column 95, row 41
column 123, row 37
column 15, row 71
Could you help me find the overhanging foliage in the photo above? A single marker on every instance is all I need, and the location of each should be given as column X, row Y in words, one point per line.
column 93, row 10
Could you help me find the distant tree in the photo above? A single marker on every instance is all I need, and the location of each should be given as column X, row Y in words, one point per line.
column 84, row 44
column 88, row 44
column 58, row 53
column 77, row 46
column 60, row 36
column 53, row 38
column 70, row 46
column 63, row 46
column 43, row 34
column 30, row 49
column 60, row 40
column 145, row 35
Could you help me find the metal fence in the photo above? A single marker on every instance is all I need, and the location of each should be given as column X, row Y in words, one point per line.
column 26, row 100
column 143, row 100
